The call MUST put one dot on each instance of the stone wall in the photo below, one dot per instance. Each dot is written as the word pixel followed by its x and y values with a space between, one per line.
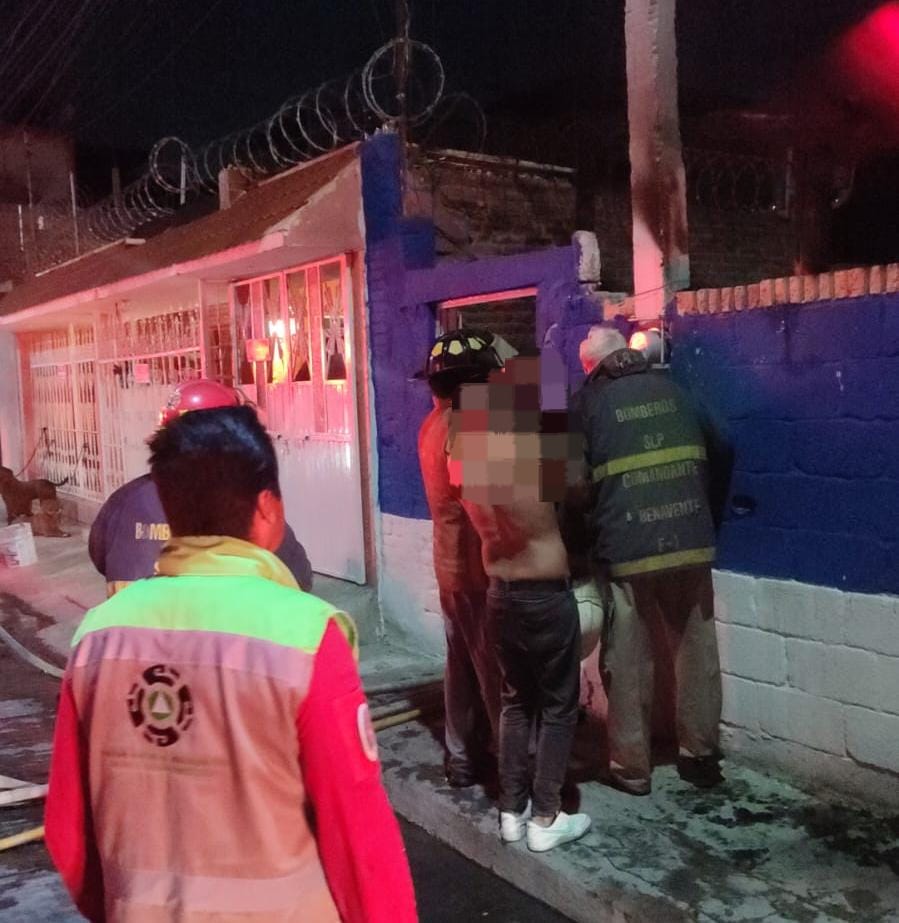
pixel 490 206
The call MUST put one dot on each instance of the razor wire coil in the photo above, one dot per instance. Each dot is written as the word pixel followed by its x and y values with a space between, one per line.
pixel 318 121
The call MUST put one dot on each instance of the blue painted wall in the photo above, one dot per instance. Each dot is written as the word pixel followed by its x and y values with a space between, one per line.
pixel 400 333
pixel 403 283
pixel 810 395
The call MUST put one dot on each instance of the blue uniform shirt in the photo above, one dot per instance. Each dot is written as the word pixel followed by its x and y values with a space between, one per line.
pixel 130 530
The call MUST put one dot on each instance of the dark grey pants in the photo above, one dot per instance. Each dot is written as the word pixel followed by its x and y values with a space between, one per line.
pixel 538 645
pixel 471 683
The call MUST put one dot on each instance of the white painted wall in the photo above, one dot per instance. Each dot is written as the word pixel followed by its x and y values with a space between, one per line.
pixel 407 589
pixel 11 449
pixel 810 674
pixel 811 681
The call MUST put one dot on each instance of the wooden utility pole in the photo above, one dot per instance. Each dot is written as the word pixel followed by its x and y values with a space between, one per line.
pixel 401 79
pixel 658 183
pixel 401 67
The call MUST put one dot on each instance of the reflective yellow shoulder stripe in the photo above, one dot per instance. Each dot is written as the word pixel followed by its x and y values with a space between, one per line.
pixel 663 562
pixel 649 460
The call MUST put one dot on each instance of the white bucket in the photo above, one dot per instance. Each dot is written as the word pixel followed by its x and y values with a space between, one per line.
pixel 592 615
pixel 17 545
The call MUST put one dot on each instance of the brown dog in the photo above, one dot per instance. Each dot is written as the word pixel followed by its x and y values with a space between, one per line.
pixel 19 498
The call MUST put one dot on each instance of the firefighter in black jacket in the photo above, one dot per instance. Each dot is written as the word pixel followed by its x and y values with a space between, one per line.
pixel 654 511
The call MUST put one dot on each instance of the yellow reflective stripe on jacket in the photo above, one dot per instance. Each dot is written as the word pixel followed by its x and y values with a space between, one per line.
pixel 662 562
pixel 649 460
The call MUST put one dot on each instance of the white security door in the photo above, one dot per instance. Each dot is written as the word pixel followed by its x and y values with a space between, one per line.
pixel 304 318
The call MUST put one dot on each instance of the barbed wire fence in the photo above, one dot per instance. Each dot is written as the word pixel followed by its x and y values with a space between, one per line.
pixel 305 126
pixel 313 123
pixel 354 107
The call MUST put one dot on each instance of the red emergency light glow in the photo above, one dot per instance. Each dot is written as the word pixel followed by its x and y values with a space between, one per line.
pixel 868 55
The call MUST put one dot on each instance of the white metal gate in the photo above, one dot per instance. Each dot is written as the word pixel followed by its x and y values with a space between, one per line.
pixel 93 393
pixel 140 360
pixel 304 318
pixel 61 411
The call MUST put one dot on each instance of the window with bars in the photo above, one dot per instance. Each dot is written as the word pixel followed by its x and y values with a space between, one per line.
pixel 301 317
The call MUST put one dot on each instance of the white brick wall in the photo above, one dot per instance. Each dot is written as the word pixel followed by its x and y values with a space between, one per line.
pixel 872 738
pixel 752 654
pixel 809 671
pixel 407 587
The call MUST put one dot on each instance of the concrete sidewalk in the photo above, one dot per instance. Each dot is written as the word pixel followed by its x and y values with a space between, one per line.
pixel 755 849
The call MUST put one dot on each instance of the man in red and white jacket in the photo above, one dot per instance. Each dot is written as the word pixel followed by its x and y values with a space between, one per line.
pixel 214 759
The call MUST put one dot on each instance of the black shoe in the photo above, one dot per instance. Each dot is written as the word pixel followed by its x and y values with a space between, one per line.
pixel 629 784
pixel 456 778
pixel 701 771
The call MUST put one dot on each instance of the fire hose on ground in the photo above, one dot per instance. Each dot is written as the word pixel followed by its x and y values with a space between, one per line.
pixel 16 791
pixel 29 792
pixel 591 611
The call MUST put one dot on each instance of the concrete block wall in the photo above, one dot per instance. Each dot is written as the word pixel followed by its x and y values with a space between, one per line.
pixel 728 246
pixel 489 206
pixel 807 604
pixel 486 206
pixel 811 681
pixel 408 588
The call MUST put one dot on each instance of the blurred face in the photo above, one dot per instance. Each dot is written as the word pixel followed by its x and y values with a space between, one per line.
pixel 503 448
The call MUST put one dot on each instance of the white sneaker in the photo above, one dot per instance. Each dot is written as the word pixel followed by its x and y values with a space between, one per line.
pixel 564 829
pixel 512 826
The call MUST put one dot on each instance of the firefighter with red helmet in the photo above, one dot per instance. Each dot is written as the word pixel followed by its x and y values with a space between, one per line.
pixel 131 529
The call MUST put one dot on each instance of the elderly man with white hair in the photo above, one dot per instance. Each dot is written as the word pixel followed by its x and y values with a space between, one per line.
pixel 653 530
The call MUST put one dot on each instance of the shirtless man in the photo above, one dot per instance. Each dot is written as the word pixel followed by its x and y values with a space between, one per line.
pixel 508 473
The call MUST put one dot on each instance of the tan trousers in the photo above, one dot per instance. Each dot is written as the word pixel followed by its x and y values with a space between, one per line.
pixel 681 603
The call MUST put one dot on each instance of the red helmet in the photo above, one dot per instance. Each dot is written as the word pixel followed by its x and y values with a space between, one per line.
pixel 200 394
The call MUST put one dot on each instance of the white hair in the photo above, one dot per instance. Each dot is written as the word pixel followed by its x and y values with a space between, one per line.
pixel 599 343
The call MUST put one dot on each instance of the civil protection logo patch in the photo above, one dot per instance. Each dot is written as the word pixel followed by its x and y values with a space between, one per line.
pixel 160 705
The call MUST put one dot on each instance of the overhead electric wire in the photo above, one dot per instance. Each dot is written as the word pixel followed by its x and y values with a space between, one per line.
pixel 75 49
pixel 153 72
pixel 65 35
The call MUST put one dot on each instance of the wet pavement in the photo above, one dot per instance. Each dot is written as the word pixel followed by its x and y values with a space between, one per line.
pixel 757 848
pixel 449 887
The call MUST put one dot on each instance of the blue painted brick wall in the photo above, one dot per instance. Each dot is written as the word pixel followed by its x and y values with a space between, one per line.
pixel 809 394
pixel 401 276
pixel 399 334
pixel 810 397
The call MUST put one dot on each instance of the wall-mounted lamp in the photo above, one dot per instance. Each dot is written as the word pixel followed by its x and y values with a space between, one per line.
pixel 653 343
pixel 258 350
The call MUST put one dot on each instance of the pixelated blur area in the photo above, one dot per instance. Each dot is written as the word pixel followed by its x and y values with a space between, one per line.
pixel 503 449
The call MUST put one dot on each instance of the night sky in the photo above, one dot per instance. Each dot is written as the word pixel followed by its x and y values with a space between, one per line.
pixel 126 72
